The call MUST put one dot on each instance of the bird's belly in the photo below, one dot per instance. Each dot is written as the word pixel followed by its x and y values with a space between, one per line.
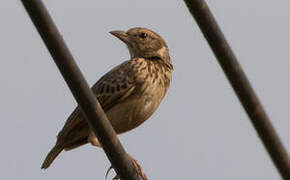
pixel 135 110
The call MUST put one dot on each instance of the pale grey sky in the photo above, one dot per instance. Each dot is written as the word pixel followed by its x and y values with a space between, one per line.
pixel 200 130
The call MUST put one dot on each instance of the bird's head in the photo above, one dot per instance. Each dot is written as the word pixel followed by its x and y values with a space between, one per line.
pixel 144 43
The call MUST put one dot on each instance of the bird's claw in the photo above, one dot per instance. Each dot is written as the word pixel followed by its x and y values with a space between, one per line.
pixel 138 169
pixel 110 168
pixel 137 166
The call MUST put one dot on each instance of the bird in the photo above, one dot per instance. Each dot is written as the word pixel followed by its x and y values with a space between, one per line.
pixel 129 93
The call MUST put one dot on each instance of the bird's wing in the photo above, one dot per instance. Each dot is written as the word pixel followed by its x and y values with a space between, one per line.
pixel 113 88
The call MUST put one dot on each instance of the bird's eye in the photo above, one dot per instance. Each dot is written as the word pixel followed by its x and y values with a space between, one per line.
pixel 143 35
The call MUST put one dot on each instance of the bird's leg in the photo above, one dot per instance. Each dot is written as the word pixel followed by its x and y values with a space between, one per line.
pixel 94 141
pixel 137 167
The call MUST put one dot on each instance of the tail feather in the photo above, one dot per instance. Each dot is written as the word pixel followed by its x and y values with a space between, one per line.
pixel 54 152
pixel 76 144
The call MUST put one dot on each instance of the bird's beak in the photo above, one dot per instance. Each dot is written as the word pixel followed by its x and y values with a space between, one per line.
pixel 122 35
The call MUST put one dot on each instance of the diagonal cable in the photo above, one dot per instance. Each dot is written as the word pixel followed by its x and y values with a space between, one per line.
pixel 96 117
pixel 242 87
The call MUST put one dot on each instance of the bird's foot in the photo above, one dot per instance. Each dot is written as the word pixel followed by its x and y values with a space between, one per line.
pixel 106 175
pixel 137 167
pixel 115 178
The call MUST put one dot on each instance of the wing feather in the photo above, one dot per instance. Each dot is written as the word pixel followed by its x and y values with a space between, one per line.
pixel 113 88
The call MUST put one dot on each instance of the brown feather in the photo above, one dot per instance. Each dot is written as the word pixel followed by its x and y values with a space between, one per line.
pixel 129 93
pixel 76 130
pixel 52 155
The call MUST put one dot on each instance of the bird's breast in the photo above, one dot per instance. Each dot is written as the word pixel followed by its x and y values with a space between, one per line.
pixel 139 107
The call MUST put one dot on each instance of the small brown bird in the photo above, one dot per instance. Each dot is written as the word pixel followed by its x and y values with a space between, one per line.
pixel 129 93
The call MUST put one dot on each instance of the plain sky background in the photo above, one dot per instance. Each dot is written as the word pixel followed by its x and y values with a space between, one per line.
pixel 200 130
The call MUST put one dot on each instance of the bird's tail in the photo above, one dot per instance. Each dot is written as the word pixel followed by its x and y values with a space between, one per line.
pixel 54 152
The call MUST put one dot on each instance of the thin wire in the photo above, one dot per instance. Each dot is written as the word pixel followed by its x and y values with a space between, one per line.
pixel 240 84
pixel 96 117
